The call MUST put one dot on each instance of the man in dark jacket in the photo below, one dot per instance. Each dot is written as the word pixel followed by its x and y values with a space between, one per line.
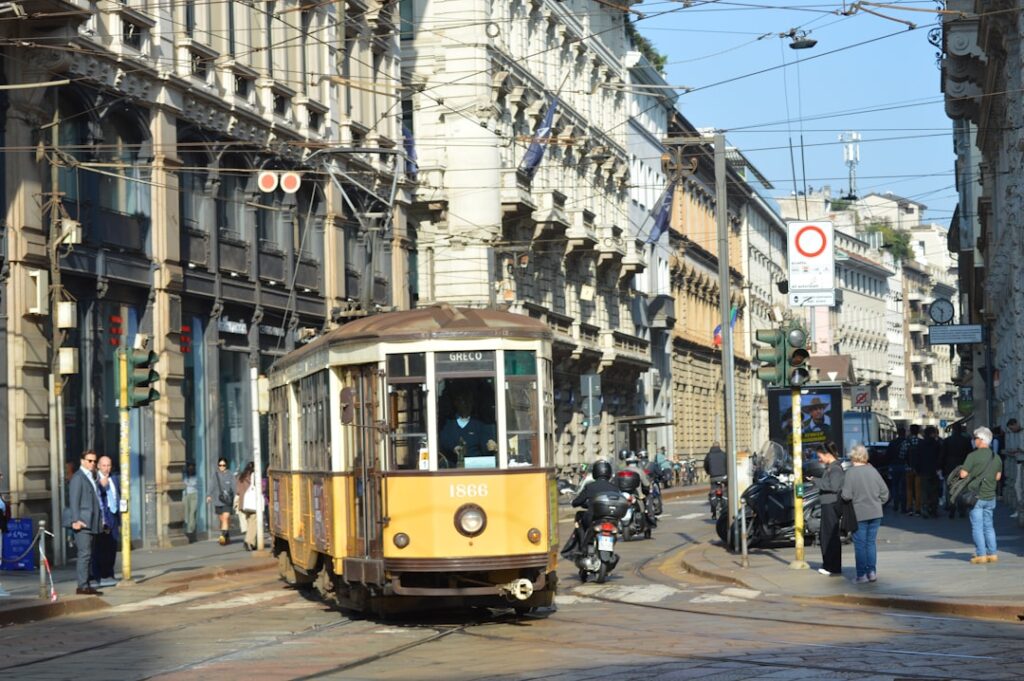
pixel 601 484
pixel 86 517
pixel 955 449
pixel 927 466
pixel 716 464
pixel 896 455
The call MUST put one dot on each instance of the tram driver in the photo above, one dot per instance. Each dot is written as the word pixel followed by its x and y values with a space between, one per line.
pixel 465 436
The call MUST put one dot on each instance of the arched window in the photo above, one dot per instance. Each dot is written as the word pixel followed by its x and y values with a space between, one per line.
pixel 124 170
pixel 231 200
pixel 192 191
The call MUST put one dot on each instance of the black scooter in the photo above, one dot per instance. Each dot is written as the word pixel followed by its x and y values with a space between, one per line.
pixel 768 504
pixel 597 556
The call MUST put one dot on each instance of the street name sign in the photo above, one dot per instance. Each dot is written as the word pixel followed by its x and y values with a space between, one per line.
pixel 955 334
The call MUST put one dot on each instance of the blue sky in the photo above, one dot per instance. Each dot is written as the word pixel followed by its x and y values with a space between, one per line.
pixel 906 145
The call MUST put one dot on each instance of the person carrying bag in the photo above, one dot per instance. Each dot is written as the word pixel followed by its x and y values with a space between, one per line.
pixel 981 470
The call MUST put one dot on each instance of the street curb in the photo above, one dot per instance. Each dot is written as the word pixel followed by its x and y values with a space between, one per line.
pixel 47 610
pixel 183 583
pixel 1003 612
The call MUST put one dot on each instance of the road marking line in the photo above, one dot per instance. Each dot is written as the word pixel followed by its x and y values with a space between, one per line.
pixel 716 598
pixel 157 601
pixel 238 601
pixel 650 593
pixel 885 651
pixel 740 593
pixel 691 516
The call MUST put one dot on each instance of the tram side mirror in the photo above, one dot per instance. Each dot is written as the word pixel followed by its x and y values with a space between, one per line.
pixel 348 407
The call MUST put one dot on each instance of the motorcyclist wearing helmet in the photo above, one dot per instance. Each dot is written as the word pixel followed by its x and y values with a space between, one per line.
pixel 633 464
pixel 601 484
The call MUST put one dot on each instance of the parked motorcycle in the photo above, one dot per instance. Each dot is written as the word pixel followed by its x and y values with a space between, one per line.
pixel 768 504
pixel 717 498
pixel 598 556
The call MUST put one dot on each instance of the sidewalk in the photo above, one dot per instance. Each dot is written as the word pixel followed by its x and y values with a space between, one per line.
pixel 154 572
pixel 922 565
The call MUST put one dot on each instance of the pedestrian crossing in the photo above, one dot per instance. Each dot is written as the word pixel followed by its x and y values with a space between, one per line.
pixel 654 593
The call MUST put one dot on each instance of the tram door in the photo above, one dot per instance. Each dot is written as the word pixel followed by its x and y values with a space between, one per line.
pixel 366 465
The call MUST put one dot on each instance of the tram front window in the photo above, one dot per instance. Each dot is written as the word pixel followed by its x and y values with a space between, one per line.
pixel 468 435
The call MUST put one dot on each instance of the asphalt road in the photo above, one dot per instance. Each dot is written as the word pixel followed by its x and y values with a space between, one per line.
pixel 649 621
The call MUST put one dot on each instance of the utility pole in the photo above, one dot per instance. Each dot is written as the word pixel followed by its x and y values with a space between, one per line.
pixel 56 386
pixel 728 373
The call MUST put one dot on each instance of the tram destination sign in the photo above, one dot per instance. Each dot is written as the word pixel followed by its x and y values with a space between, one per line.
pixel 464 361
pixel 955 334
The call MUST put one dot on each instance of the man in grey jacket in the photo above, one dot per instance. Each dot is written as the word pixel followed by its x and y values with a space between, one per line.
pixel 86 517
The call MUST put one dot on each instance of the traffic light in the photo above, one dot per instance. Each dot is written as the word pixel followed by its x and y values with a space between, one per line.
pixel 142 378
pixel 797 372
pixel 771 358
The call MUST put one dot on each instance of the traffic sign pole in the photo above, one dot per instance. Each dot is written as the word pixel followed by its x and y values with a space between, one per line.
pixel 798 482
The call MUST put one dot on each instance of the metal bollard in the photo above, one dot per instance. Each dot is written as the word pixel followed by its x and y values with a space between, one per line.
pixel 744 561
pixel 43 591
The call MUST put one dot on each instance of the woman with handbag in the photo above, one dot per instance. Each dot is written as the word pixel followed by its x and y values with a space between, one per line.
pixel 829 485
pixel 224 486
pixel 982 466
pixel 249 498
pixel 867 490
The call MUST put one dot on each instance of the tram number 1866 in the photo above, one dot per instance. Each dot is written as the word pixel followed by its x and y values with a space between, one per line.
pixel 463 491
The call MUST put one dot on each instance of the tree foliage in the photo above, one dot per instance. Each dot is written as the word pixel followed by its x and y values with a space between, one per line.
pixel 646 48
pixel 896 240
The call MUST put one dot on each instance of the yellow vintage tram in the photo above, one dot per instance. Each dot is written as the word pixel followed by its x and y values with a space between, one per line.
pixel 410 461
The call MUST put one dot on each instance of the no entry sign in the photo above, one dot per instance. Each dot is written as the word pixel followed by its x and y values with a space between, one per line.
pixel 811 256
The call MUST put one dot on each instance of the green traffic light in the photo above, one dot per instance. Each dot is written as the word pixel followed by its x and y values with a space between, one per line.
pixel 771 358
pixel 142 378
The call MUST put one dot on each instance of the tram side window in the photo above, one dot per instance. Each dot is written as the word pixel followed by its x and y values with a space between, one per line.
pixel 314 423
pixel 521 411
pixel 468 435
pixel 407 409
pixel 278 431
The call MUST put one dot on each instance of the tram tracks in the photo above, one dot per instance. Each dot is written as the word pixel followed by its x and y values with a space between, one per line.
pixel 641 571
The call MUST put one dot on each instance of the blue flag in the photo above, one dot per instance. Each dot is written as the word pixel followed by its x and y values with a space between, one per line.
pixel 534 155
pixel 411 166
pixel 664 215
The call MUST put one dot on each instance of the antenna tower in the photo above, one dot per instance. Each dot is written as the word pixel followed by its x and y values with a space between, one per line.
pixel 851 157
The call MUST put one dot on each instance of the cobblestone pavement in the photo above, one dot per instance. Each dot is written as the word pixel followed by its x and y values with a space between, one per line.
pixel 650 621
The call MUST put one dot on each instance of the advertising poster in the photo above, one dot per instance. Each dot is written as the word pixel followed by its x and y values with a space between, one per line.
pixel 821 417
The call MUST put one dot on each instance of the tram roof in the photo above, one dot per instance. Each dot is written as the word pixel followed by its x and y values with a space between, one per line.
pixel 434 322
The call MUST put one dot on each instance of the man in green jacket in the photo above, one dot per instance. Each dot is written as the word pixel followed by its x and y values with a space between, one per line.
pixel 983 468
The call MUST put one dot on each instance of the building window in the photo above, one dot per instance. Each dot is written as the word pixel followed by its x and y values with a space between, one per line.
pixel 190 18
pixel 243 86
pixel 315 120
pixel 199 66
pixel 231 204
pixel 282 103
pixel 132 34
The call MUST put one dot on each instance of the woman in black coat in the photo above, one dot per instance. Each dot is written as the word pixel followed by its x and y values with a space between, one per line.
pixel 829 486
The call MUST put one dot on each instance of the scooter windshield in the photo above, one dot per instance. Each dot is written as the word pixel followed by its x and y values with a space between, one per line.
pixel 773 458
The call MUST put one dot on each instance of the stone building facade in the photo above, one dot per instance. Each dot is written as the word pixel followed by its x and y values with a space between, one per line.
pixel 154 125
pixel 552 240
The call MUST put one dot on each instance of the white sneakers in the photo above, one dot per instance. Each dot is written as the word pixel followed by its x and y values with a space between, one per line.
pixel 107 583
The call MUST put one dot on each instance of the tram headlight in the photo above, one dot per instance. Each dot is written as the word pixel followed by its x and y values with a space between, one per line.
pixel 401 540
pixel 533 535
pixel 470 520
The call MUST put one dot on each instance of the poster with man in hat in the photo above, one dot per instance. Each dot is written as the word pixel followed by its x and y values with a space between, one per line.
pixel 820 417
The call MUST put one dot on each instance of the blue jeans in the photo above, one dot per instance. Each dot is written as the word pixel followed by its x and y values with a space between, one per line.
pixel 865 549
pixel 897 487
pixel 982 528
